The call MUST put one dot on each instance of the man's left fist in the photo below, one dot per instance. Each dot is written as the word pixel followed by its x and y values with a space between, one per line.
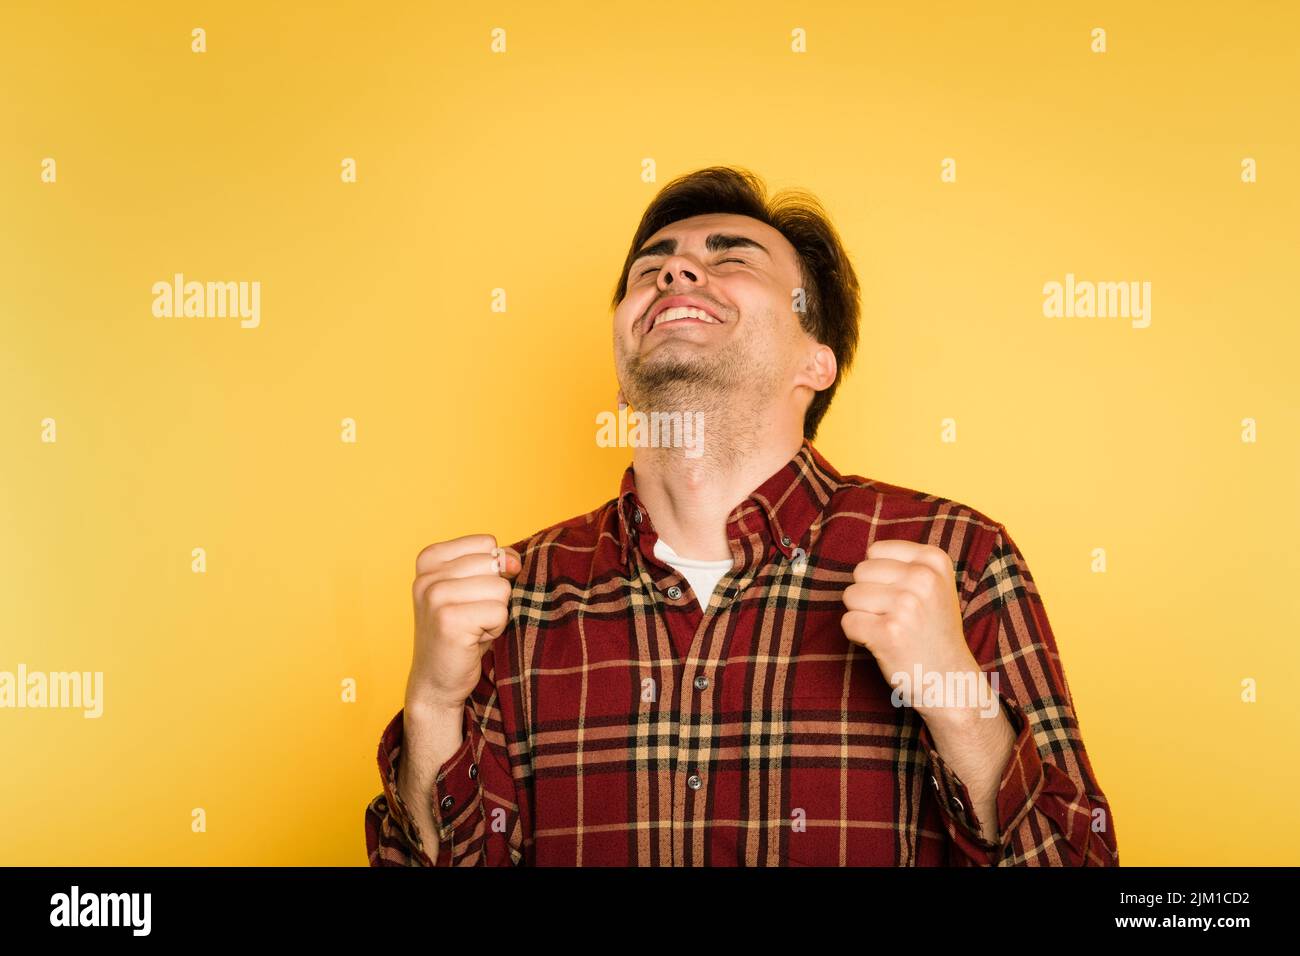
pixel 903 607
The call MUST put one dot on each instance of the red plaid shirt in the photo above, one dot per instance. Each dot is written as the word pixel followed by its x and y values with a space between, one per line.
pixel 616 723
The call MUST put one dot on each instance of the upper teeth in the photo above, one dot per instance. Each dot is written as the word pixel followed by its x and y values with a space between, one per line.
pixel 683 312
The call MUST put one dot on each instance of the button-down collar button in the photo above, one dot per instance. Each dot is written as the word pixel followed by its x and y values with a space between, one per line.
pixel 956 805
pixel 785 540
pixel 694 782
pixel 934 781
pixel 447 802
pixel 636 516
pixel 473 771
pixel 674 592
pixel 701 682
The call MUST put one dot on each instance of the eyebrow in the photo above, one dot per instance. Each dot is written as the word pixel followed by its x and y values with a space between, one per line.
pixel 717 242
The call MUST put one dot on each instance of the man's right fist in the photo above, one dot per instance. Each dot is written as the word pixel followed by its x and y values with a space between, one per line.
pixel 462 603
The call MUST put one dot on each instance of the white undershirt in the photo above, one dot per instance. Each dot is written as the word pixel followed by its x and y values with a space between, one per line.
pixel 702 575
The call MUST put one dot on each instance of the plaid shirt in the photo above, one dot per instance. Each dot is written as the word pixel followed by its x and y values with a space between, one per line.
pixel 616 723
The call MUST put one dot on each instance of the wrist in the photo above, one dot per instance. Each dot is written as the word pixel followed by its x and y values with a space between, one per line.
pixel 424 708
pixel 966 700
pixel 423 698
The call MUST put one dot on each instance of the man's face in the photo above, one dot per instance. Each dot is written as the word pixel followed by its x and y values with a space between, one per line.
pixel 743 273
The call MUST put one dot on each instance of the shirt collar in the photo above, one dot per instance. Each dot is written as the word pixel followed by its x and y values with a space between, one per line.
pixel 783 507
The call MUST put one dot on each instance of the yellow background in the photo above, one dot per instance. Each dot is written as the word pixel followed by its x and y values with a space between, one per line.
pixel 522 171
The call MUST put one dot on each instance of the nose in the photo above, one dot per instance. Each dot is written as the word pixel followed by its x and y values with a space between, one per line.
pixel 681 266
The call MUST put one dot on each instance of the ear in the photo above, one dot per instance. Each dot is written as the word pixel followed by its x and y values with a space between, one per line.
pixel 819 368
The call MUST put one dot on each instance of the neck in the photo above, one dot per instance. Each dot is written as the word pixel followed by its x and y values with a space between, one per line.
pixel 689 498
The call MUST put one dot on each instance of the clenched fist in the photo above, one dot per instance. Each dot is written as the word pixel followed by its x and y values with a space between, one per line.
pixel 462 603
pixel 903 607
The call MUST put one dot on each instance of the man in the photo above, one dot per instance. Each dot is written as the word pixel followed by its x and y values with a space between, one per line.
pixel 745 658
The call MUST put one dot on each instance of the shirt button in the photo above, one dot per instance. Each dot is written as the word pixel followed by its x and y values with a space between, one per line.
pixel 674 592
pixel 785 540
pixel 956 805
pixel 701 682
pixel 473 771
pixel 694 782
pixel 934 781
pixel 636 516
pixel 447 802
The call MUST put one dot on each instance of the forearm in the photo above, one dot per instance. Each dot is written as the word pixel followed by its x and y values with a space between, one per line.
pixel 431 736
pixel 977 746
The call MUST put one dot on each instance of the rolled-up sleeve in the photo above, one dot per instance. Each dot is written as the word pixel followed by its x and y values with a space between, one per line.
pixel 1051 810
pixel 473 797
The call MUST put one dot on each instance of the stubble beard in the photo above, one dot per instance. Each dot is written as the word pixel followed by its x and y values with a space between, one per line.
pixel 728 388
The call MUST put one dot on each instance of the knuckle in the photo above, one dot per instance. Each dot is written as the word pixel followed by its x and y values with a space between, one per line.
pixel 922 581
pixel 421 561
pixel 849 623
pixel 436 595
pixel 429 558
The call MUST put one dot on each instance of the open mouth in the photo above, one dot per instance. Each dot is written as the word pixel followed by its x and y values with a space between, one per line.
pixel 680 313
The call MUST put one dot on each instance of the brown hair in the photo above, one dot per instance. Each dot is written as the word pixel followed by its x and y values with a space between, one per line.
pixel 829 282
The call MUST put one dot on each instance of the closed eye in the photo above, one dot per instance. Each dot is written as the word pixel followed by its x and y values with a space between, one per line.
pixel 720 261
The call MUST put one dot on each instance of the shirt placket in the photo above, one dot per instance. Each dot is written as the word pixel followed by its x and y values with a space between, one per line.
pixel 700 662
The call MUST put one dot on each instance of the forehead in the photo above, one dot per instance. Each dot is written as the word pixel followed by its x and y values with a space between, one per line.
pixel 691 234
